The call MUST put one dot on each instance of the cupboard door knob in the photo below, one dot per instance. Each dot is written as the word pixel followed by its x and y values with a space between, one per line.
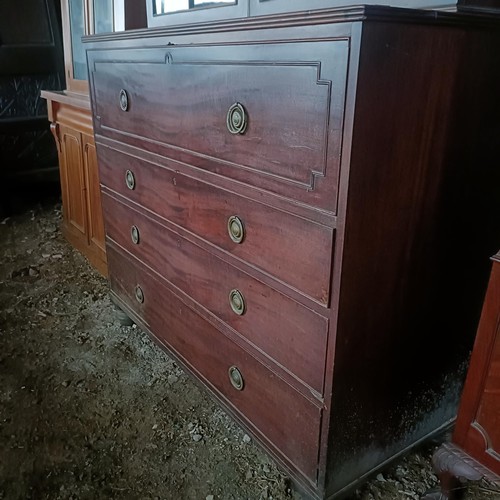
pixel 236 378
pixel 134 234
pixel 130 179
pixel 139 294
pixel 123 100
pixel 237 119
pixel 237 302
pixel 235 229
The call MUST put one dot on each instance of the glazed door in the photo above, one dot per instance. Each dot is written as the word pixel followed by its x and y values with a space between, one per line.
pixel 169 12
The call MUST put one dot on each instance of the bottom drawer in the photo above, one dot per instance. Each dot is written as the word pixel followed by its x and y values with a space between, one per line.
pixel 280 416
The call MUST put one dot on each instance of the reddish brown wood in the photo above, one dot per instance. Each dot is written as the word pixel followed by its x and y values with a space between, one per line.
pixel 275 153
pixel 204 209
pixel 453 468
pixel 95 222
pixel 478 424
pixel 409 184
pixel 209 355
pixel 135 14
pixel 82 224
pixel 292 335
pixel 475 450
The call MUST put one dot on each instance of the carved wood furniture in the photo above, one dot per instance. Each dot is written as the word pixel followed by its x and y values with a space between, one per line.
pixel 31 58
pixel 475 449
pixel 288 200
pixel 71 122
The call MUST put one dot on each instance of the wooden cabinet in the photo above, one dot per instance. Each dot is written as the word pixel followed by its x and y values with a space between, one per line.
pixel 69 112
pixel 31 58
pixel 288 200
pixel 82 211
pixel 475 448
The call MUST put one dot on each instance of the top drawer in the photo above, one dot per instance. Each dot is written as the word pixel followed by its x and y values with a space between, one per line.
pixel 269 115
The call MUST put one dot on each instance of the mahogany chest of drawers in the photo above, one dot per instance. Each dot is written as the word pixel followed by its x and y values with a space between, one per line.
pixel 286 201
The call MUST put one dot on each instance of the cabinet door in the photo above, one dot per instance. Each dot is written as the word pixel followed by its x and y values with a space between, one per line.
pixel 73 182
pixel 96 235
pixel 478 423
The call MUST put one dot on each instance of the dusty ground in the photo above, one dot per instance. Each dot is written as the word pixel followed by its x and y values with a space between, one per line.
pixel 90 409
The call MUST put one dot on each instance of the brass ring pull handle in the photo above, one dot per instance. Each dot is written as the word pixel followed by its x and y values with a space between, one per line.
pixel 123 100
pixel 237 119
pixel 139 294
pixel 235 229
pixel 129 179
pixel 237 302
pixel 134 234
pixel 236 378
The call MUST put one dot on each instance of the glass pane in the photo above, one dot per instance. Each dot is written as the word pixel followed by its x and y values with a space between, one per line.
pixel 168 6
pixel 103 16
pixel 76 21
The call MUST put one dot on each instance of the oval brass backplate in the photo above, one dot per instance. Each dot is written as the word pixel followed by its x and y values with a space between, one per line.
pixel 236 378
pixel 139 294
pixel 237 302
pixel 235 229
pixel 134 234
pixel 237 119
pixel 130 179
pixel 123 100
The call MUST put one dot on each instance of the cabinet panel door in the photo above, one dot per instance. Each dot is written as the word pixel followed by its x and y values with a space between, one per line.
pixel 72 181
pixel 478 423
pixel 96 233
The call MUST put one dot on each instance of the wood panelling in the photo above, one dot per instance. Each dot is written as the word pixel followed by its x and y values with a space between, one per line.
pixel 93 194
pixel 478 424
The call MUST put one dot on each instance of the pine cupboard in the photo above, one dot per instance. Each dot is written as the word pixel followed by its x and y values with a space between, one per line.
pixel 71 122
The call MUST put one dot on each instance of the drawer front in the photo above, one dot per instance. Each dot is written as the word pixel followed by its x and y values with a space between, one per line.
pixel 289 333
pixel 286 420
pixel 268 115
pixel 293 250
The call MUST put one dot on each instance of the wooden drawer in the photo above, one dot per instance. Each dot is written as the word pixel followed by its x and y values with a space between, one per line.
pixel 177 101
pixel 275 411
pixel 292 335
pixel 294 250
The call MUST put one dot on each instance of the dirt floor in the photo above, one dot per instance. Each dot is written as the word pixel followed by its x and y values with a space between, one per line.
pixel 90 409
